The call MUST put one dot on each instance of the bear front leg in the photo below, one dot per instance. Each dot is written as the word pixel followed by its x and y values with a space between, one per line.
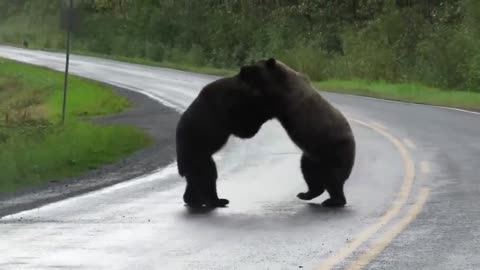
pixel 201 185
pixel 210 187
pixel 192 196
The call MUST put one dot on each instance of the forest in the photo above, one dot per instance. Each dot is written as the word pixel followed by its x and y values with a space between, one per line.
pixel 433 42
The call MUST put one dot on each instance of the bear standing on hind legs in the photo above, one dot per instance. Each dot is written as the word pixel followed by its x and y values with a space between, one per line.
pixel 224 107
pixel 313 124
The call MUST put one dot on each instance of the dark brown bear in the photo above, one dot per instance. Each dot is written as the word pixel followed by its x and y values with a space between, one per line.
pixel 224 107
pixel 313 124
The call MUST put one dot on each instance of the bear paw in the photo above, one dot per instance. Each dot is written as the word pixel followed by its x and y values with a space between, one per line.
pixel 307 196
pixel 194 204
pixel 334 203
pixel 212 204
pixel 218 203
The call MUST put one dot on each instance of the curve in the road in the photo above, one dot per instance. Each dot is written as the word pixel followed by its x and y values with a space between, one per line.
pixel 390 235
pixel 146 79
pixel 392 212
pixel 419 104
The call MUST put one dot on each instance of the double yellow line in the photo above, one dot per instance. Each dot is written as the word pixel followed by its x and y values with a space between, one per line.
pixel 392 212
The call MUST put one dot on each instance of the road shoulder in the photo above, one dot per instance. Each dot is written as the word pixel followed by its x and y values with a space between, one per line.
pixel 154 118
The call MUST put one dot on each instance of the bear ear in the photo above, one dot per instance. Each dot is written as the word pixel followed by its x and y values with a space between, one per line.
pixel 245 72
pixel 271 62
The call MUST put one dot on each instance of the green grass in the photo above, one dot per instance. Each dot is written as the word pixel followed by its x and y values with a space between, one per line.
pixel 407 92
pixel 85 98
pixel 35 148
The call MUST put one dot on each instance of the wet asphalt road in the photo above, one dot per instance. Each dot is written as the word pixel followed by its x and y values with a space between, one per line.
pixel 407 155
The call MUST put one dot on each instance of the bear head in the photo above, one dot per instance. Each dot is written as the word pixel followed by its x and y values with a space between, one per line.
pixel 273 77
pixel 247 110
pixel 277 81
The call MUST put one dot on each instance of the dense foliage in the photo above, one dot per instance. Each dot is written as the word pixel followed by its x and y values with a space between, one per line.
pixel 436 42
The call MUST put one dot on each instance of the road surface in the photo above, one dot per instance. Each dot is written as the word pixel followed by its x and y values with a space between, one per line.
pixel 412 198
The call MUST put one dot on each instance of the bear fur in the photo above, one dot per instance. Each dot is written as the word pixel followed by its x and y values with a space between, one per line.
pixel 225 107
pixel 314 125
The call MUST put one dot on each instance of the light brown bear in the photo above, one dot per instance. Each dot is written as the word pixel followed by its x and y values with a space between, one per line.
pixel 314 125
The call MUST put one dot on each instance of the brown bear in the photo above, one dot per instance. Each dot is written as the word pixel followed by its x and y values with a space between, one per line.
pixel 225 107
pixel 314 125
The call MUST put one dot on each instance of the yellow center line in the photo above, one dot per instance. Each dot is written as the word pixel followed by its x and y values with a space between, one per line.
pixel 377 124
pixel 409 143
pixel 425 167
pixel 394 210
pixel 388 237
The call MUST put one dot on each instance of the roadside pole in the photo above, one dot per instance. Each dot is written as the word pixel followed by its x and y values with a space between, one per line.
pixel 65 84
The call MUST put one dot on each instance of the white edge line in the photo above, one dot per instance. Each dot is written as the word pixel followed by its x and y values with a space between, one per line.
pixel 401 102
pixel 159 174
pixel 72 55
pixel 155 98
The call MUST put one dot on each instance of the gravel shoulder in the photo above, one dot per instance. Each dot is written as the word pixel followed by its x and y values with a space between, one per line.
pixel 149 115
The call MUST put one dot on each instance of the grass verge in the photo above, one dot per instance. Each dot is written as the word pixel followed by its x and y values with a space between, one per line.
pixel 35 148
pixel 407 92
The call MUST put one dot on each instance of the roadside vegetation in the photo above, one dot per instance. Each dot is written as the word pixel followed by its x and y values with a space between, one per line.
pixel 35 147
pixel 406 92
pixel 397 49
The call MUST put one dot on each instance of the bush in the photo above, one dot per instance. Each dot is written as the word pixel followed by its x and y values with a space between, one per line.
pixel 433 42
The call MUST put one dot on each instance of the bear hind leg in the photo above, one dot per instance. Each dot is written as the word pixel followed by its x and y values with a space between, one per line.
pixel 334 184
pixel 312 175
pixel 340 168
pixel 337 196
pixel 210 190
